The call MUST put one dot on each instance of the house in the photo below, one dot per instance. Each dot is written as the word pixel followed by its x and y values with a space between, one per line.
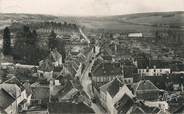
pixel 75 64
pixel 57 71
pixel 141 108
pixel 75 50
pixel 69 108
pixel 136 110
pixel 135 35
pixel 40 93
pixel 7 103
pixel 179 110
pixel 124 104
pixel 130 72
pixel 106 71
pixel 14 95
pixel 51 66
pixel 53 60
pixel 153 68
pixel 146 90
pixel 2 76
pixel 58 89
pixel 177 68
pixel 56 58
pixel 22 95
pixel 46 65
pixel 6 65
pixel 168 82
pixel 69 67
pixel 36 109
pixel 70 95
pixel 116 97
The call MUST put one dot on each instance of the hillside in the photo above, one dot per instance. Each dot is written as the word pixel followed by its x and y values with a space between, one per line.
pixel 131 22
pixel 7 18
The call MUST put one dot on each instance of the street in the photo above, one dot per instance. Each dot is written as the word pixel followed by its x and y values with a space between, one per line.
pixel 87 87
pixel 86 83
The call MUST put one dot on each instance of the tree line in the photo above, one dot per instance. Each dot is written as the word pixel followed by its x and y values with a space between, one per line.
pixel 55 25
pixel 169 37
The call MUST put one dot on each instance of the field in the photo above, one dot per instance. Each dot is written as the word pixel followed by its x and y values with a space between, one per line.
pixel 133 22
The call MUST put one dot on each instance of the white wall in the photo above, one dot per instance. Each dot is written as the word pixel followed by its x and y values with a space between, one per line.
pixel 154 72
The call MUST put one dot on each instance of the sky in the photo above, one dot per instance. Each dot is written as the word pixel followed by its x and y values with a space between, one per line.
pixel 89 7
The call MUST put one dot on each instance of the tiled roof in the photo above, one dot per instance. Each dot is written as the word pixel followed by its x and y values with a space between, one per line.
pixel 5 99
pixel 150 110
pixel 69 108
pixel 145 85
pixel 177 67
pixel 70 68
pixel 46 65
pixel 55 55
pixel 2 111
pixel 137 110
pixel 76 62
pixel 12 89
pixel 65 89
pixel 107 69
pixel 106 57
pixel 179 110
pixel 129 70
pixel 143 64
pixel 40 92
pixel 70 94
pixel 112 87
pixel 124 104
pixel 14 80
pixel 81 57
pixel 86 51
pixel 58 69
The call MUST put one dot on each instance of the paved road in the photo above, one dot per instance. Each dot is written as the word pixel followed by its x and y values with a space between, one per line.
pixel 86 83
pixel 85 80
pixel 87 87
pixel 85 37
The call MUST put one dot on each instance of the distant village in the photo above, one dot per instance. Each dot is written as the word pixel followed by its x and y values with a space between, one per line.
pixel 60 68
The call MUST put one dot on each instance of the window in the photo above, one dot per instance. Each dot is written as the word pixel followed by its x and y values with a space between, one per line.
pixel 154 70
pixel 129 81
pixel 147 70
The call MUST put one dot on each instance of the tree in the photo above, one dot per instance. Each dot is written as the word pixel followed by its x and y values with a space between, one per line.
pixel 6 41
pixel 60 46
pixel 33 38
pixel 26 49
pixel 52 40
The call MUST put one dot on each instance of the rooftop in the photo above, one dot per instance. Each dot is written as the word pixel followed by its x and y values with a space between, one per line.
pixel 5 99
pixel 143 64
pixel 124 104
pixel 65 89
pixel 14 80
pixel 107 69
pixel 69 107
pixel 55 55
pixel 11 89
pixel 145 85
pixel 112 87
pixel 40 92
